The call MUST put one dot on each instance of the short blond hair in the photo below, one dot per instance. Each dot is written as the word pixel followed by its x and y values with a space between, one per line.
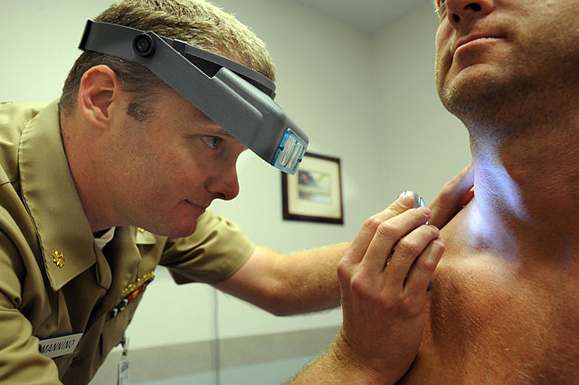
pixel 197 22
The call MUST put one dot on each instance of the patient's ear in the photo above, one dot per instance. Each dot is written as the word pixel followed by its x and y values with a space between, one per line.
pixel 99 95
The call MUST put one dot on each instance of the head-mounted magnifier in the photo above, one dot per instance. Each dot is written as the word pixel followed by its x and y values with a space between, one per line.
pixel 234 96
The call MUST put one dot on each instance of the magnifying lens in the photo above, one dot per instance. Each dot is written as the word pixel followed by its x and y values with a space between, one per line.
pixel 234 96
pixel 418 201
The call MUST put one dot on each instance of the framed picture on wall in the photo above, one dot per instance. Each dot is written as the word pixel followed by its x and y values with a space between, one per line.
pixel 314 192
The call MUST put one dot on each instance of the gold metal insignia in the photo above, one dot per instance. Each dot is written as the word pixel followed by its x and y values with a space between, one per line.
pixel 139 282
pixel 58 258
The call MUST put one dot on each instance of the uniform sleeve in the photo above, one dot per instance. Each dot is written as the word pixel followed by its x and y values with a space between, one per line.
pixel 216 250
pixel 20 360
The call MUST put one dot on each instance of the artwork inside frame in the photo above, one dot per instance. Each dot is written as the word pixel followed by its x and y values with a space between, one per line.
pixel 314 193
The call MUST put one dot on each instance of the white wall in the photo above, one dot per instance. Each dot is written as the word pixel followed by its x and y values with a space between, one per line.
pixel 424 146
pixel 368 100
pixel 39 45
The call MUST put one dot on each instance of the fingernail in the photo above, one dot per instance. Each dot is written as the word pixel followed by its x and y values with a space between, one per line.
pixel 406 201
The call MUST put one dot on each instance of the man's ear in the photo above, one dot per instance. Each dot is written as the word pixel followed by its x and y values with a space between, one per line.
pixel 99 95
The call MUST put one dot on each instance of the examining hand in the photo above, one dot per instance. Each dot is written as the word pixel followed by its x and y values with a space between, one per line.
pixel 383 304
pixel 384 276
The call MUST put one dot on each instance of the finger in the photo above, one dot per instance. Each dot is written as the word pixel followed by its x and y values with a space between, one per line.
pixel 408 251
pixel 388 237
pixel 452 197
pixel 420 275
pixel 362 241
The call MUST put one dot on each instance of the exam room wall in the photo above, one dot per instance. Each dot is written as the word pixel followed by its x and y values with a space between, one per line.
pixel 424 145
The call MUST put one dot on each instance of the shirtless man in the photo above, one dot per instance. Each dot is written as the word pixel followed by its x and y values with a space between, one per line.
pixel 504 308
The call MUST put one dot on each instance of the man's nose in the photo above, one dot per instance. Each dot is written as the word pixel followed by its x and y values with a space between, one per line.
pixel 461 12
pixel 225 184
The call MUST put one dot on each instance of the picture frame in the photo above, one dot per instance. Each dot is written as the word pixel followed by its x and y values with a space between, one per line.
pixel 314 192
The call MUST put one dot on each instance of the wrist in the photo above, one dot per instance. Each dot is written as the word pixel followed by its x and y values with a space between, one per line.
pixel 360 370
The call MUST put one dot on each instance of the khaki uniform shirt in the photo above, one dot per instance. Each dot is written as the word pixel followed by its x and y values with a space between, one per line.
pixel 54 280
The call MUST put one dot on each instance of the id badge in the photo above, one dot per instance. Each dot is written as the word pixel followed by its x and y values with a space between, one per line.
pixel 123 372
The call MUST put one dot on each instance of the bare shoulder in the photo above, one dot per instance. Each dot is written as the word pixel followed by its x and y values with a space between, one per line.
pixel 491 321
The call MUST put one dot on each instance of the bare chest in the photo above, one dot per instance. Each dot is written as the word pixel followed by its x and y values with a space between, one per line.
pixel 490 326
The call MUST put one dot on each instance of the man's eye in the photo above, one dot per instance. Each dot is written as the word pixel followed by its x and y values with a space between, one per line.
pixel 212 141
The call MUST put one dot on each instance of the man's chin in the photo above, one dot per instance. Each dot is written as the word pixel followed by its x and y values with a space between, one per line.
pixel 185 231
pixel 178 231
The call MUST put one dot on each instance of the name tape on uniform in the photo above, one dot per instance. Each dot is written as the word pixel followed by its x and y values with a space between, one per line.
pixel 59 346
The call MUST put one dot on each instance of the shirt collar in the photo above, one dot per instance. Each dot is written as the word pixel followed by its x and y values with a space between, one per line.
pixel 102 241
pixel 50 195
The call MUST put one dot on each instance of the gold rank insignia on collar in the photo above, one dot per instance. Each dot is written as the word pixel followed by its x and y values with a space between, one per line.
pixel 58 258
pixel 132 291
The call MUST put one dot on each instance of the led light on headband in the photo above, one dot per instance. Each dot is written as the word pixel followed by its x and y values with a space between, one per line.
pixel 234 96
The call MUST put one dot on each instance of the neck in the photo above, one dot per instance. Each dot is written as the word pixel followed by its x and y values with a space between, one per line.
pixel 79 147
pixel 526 187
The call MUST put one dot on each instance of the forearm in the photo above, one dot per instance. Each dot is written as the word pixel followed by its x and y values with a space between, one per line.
pixel 312 281
pixel 295 283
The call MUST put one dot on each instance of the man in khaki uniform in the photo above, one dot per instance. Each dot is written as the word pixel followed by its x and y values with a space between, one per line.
pixel 87 180
pixel 57 276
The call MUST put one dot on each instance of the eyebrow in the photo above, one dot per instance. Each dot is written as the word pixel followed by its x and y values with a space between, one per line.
pixel 212 128
pixel 218 131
